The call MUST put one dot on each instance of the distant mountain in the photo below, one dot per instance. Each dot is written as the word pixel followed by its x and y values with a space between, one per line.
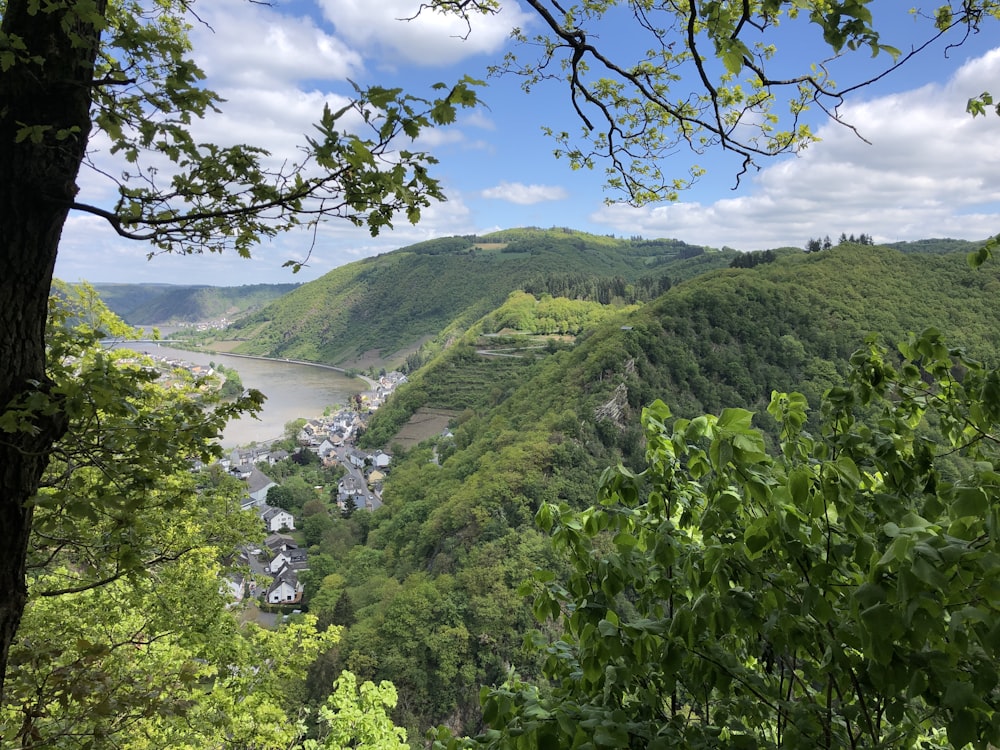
pixel 145 304
pixel 380 310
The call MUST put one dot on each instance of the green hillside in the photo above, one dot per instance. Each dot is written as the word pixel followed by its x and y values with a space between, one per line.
pixel 144 304
pixel 379 310
pixel 428 589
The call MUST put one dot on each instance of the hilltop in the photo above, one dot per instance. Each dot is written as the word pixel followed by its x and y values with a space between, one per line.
pixel 157 304
pixel 378 311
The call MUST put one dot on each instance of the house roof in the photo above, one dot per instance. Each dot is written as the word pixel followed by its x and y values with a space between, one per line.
pixel 267 512
pixel 350 484
pixel 276 542
pixel 258 480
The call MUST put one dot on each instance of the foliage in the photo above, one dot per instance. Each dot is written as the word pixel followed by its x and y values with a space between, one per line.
pixel 356 716
pixel 232 386
pixel 215 197
pixel 749 260
pixel 524 313
pixel 126 453
pixel 936 245
pixel 615 290
pixel 122 74
pixel 728 338
pixel 126 638
pixel 840 590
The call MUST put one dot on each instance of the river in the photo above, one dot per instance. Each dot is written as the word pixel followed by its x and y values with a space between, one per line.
pixel 292 390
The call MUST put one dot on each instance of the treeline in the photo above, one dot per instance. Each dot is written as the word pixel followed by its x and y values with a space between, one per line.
pixel 524 313
pixel 750 260
pixel 815 245
pixel 665 248
pixel 591 288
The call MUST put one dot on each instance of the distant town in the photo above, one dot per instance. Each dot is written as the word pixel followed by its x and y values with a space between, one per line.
pixel 270 572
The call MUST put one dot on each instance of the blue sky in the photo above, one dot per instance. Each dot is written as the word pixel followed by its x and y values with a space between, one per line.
pixel 930 171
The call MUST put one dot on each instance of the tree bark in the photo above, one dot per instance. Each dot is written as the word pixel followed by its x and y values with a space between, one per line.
pixel 44 124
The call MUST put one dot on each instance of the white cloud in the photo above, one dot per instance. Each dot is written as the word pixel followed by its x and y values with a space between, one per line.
pixel 253 45
pixel 930 171
pixel 431 38
pixel 479 119
pixel 525 195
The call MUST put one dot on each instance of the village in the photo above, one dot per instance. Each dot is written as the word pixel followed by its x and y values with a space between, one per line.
pixel 269 572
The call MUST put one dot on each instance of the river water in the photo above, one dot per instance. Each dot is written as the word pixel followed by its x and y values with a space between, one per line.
pixel 292 390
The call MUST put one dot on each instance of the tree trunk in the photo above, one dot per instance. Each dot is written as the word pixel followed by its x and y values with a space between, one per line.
pixel 44 123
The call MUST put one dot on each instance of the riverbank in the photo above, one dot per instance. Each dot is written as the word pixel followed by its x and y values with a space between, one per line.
pixel 293 389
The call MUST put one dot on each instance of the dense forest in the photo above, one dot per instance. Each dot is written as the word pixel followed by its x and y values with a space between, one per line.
pixel 687 497
pixel 427 587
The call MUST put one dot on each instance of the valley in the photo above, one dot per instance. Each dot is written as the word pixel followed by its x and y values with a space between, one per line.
pixel 522 388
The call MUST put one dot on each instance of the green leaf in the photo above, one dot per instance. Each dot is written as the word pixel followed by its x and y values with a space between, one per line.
pixel 970 501
pixel 962 729
pixel 799 482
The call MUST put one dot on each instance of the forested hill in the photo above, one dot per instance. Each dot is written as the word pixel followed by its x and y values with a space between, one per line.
pixel 378 310
pixel 428 590
pixel 144 304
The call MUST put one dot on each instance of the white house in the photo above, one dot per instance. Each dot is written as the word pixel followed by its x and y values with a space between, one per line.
pixel 295 559
pixel 235 585
pixel 381 460
pixel 276 519
pixel 285 589
pixel 356 457
pixel 324 448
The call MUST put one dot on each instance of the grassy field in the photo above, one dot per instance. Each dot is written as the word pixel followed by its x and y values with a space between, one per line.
pixel 424 424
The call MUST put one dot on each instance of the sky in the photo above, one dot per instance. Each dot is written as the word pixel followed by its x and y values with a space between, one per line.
pixel 924 167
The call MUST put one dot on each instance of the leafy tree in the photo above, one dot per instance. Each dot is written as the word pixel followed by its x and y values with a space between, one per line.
pixel 72 70
pixel 357 716
pixel 126 634
pixel 292 430
pixel 315 526
pixel 232 387
pixel 705 75
pixel 349 507
pixel 299 490
pixel 837 591
pixel 280 496
pixel 127 639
